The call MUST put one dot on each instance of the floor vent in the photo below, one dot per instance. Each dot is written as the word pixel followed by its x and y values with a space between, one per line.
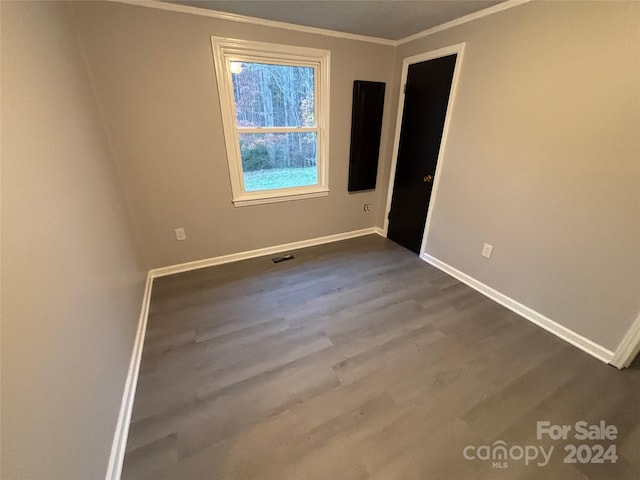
pixel 284 258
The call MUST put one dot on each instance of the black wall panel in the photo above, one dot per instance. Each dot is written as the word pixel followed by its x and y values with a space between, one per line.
pixel 366 126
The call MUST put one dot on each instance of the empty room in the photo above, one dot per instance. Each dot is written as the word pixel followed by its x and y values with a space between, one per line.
pixel 304 240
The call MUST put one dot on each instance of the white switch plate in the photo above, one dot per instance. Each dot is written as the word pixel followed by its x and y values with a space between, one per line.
pixel 180 235
pixel 486 250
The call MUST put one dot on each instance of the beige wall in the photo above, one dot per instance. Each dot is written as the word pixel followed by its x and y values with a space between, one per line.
pixel 155 77
pixel 543 161
pixel 71 278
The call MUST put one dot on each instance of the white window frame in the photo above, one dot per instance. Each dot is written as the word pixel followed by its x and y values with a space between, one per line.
pixel 227 50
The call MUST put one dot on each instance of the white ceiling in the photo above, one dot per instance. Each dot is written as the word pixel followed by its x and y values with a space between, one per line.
pixel 390 19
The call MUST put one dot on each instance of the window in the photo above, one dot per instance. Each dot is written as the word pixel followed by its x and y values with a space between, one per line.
pixel 275 114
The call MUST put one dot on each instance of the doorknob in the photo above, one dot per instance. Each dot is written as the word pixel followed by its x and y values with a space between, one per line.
pixel 427 179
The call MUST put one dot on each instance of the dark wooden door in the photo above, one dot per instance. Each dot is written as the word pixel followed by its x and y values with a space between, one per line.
pixel 425 107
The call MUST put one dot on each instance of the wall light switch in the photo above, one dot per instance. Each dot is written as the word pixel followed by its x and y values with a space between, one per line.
pixel 486 250
pixel 180 235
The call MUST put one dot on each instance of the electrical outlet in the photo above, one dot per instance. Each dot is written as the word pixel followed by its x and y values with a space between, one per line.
pixel 487 250
pixel 180 234
pixel 367 207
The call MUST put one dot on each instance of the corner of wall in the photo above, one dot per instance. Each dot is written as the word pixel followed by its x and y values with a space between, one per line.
pixel 629 346
pixel 133 224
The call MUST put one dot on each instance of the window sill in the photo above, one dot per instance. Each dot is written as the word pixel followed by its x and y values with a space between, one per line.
pixel 263 198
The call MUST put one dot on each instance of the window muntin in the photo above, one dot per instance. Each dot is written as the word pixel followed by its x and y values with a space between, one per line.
pixel 275 108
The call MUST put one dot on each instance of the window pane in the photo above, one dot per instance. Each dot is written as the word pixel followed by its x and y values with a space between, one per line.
pixel 273 95
pixel 278 160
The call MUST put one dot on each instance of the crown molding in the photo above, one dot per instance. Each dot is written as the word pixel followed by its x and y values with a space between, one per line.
pixel 203 12
pixel 462 20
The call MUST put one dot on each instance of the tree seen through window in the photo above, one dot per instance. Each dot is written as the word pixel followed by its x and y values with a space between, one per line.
pixel 271 102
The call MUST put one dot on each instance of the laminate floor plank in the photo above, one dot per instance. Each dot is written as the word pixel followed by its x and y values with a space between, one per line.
pixel 356 360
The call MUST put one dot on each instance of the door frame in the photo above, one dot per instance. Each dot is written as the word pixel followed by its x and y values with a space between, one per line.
pixel 423 57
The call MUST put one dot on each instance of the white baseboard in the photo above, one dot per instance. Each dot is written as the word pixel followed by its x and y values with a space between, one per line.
pixel 119 445
pixel 566 334
pixel 629 346
pixel 234 257
pixel 623 356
